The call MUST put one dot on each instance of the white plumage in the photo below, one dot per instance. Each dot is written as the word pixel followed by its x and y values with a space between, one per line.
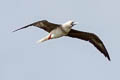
pixel 63 30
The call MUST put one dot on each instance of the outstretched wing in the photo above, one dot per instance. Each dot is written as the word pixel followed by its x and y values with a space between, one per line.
pixel 44 24
pixel 92 38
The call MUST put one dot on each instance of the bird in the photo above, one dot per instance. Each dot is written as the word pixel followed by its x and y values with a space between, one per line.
pixel 65 29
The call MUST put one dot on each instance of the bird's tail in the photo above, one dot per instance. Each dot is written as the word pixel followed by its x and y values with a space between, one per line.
pixel 42 40
pixel 45 38
pixel 23 27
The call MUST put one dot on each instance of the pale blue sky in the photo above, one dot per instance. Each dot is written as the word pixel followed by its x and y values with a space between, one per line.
pixel 65 58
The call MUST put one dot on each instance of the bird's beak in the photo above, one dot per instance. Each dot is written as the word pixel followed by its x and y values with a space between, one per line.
pixel 75 23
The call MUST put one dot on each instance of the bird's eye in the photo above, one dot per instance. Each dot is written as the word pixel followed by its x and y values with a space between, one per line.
pixel 72 23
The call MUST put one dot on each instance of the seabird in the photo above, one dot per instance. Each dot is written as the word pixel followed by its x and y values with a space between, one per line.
pixel 59 30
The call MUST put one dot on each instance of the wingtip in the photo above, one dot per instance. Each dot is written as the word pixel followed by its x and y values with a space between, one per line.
pixel 22 27
pixel 106 54
pixel 108 58
pixel 14 31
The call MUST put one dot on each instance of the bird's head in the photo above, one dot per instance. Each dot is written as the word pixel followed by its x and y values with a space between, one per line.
pixel 70 23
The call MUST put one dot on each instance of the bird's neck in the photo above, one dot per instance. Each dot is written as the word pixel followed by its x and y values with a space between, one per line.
pixel 66 27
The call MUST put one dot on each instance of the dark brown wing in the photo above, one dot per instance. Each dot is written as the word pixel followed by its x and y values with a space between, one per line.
pixel 44 24
pixel 92 38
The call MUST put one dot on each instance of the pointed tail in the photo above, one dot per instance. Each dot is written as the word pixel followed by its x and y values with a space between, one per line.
pixel 48 37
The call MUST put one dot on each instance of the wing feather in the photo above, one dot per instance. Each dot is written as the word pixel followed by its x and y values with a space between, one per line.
pixel 44 24
pixel 92 38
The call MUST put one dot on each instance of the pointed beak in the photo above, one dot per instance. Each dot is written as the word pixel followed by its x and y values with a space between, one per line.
pixel 75 23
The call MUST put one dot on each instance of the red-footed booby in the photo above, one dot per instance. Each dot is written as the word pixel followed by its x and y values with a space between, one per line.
pixel 59 30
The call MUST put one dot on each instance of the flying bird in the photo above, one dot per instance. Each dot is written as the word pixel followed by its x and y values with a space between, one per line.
pixel 59 30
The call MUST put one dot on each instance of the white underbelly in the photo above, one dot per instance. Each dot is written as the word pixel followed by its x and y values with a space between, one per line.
pixel 57 33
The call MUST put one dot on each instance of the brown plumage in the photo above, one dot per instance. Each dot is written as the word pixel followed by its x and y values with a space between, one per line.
pixel 44 24
pixel 92 38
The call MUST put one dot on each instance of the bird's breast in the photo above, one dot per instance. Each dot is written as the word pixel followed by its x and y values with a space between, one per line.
pixel 58 32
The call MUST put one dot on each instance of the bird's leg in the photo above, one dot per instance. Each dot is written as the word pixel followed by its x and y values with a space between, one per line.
pixel 45 38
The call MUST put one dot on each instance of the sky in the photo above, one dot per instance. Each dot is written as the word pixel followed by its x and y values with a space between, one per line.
pixel 64 58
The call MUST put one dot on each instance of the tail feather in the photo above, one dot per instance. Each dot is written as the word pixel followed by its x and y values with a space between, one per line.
pixel 44 39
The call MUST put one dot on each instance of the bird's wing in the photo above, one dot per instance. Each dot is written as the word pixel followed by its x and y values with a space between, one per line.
pixel 44 24
pixel 92 38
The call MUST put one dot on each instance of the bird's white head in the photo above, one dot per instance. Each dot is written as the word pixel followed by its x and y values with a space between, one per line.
pixel 70 23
